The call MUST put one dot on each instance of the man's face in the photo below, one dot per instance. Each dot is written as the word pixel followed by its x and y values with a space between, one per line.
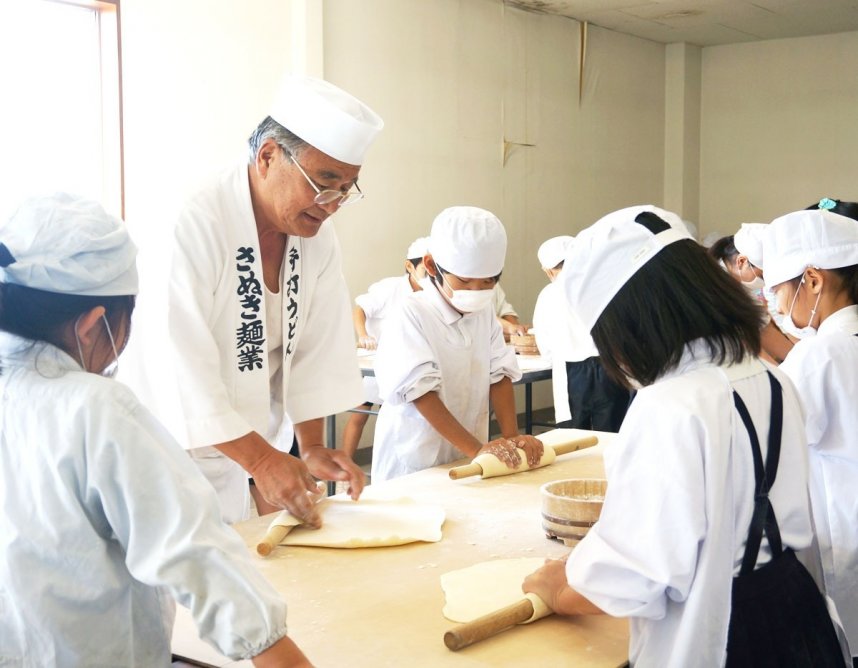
pixel 287 196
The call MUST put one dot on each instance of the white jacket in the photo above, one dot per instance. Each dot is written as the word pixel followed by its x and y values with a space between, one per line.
pixel 105 520
pixel 198 351
pixel 675 519
pixel 561 337
pixel 824 369
pixel 428 346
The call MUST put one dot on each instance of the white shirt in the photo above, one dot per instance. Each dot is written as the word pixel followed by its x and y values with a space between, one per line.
pixel 501 305
pixel 676 515
pixel 104 519
pixel 381 299
pixel 197 355
pixel 428 346
pixel 561 337
pixel 824 369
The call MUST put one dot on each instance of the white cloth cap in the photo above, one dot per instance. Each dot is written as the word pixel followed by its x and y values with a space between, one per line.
pixel 553 251
pixel 608 253
pixel 326 117
pixel 418 248
pixel 809 238
pixel 468 241
pixel 749 242
pixel 69 245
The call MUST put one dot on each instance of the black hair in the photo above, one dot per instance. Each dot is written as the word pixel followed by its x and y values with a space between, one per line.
pixel 849 276
pixel 417 261
pixel 724 250
pixel 679 296
pixel 848 209
pixel 39 315
pixel 441 270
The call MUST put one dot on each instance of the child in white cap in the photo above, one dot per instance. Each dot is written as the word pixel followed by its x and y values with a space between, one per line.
pixel 812 266
pixel 741 255
pixel 381 299
pixel 585 397
pixel 443 357
pixel 706 500
pixel 105 519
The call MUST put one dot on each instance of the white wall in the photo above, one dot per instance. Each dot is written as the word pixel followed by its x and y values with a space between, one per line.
pixel 778 129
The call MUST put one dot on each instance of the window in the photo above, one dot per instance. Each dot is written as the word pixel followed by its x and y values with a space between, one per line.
pixel 60 101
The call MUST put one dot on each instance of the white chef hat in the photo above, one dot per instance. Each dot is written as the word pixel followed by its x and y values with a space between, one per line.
pixel 468 241
pixel 418 248
pixel 69 245
pixel 608 253
pixel 553 251
pixel 809 238
pixel 326 117
pixel 749 242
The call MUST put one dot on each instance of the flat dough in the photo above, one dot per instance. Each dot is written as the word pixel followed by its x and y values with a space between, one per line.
pixel 489 586
pixel 366 523
pixel 492 466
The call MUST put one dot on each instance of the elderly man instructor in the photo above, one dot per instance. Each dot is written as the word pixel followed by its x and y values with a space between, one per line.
pixel 257 340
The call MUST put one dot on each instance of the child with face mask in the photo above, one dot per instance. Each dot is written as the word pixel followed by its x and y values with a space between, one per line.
pixel 812 267
pixel 380 300
pixel 442 357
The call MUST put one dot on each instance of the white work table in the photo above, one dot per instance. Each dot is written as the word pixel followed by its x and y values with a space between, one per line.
pixel 382 606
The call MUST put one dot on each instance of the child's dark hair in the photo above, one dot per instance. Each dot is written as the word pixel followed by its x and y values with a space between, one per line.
pixel 38 315
pixel 725 250
pixel 416 261
pixel 679 296
pixel 848 209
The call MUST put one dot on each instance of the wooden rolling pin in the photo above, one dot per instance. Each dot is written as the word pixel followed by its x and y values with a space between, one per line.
pixel 474 468
pixel 272 539
pixel 488 625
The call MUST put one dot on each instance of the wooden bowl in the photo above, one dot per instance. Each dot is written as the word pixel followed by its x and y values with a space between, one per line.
pixel 571 507
pixel 525 344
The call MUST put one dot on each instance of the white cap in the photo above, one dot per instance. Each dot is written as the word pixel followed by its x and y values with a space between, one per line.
pixel 418 248
pixel 468 242
pixel 809 238
pixel 65 244
pixel 749 242
pixel 553 252
pixel 326 117
pixel 609 252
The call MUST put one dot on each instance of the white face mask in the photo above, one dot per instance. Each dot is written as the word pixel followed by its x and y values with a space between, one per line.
pixel 469 301
pixel 790 327
pixel 111 369
pixel 755 284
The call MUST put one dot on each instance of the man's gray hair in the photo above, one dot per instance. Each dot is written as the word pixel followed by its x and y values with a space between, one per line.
pixel 271 129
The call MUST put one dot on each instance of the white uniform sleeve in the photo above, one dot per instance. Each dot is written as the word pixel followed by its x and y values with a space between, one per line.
pixel 502 362
pixel 198 266
pixel 644 548
pixel 325 378
pixel 502 306
pixel 377 298
pixel 165 517
pixel 405 365
pixel 542 324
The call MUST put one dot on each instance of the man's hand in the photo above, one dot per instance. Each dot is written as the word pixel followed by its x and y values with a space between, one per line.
pixel 285 481
pixel 551 585
pixel 330 464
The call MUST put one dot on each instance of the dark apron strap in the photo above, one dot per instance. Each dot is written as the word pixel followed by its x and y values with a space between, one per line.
pixel 763 519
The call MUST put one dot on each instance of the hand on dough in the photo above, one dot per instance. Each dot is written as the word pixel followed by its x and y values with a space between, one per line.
pixel 551 585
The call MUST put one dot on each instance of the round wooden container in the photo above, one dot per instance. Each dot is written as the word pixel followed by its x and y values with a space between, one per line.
pixel 571 507
pixel 525 344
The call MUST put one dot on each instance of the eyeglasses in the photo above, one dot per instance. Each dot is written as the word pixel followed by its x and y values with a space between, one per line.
pixel 328 196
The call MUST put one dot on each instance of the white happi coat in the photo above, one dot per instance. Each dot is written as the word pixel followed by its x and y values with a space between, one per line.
pixel 824 369
pixel 675 519
pixel 379 301
pixel 105 521
pixel 561 337
pixel 198 355
pixel 428 346
pixel 501 305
